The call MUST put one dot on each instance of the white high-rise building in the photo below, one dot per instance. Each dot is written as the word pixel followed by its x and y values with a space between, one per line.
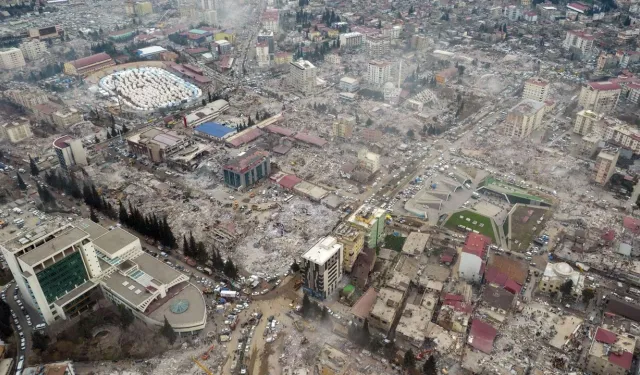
pixel 537 89
pixel 11 58
pixel 303 76
pixel 586 122
pixel 379 73
pixel 524 118
pixel 322 267
pixel 601 97
pixel 70 152
pixel 579 40
pixel 262 54
pixel 353 39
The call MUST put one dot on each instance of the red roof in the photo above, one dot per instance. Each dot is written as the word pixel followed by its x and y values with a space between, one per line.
pixel 310 139
pixel 605 337
pixel 481 336
pixel 91 60
pixel 604 86
pixel 453 297
pixel 632 224
pixel 446 258
pixel 623 359
pixel 246 137
pixel 279 130
pixel 578 6
pixel 476 244
pixel 512 287
pixel 289 181
pixel 609 235
pixel 493 276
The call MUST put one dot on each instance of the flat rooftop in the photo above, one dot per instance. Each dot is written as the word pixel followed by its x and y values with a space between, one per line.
pixel 324 249
pixel 93 229
pixel 527 107
pixel 114 240
pixel 63 240
pixel 387 303
pixel 184 294
pixel 415 243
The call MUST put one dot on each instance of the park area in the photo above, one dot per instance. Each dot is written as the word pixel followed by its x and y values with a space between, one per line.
pixel 474 221
pixel 525 224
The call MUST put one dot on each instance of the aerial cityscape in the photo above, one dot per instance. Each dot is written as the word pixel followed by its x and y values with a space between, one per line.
pixel 309 187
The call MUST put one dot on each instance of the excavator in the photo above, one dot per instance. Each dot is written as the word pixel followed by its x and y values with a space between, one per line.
pixel 203 367
pixel 205 356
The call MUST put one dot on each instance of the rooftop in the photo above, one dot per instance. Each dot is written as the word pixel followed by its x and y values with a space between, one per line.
pixel 324 249
pixel 387 303
pixel 214 129
pixel 114 240
pixel 366 216
pixel 476 244
pixel 604 86
pixel 527 107
pixel 303 64
pixel 415 243
pixel 160 136
pixel 364 304
pixel 538 81
pixel 247 160
pixel 63 240
pixel 618 349
pixel 90 60
pixel 481 336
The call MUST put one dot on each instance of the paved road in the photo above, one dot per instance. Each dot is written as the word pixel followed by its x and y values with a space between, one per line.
pixel 26 329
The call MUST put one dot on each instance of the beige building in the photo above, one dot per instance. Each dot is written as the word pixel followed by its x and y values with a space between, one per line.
pixel 70 152
pixel 16 131
pixel 524 118
pixel 26 98
pixel 342 129
pixel 610 353
pixel 605 165
pixel 66 117
pixel 157 143
pixel 379 73
pixel 11 58
pixel 33 49
pixel 579 40
pixel 377 46
pixel 368 161
pixel 303 76
pixel 624 136
pixel 536 89
pixel 556 274
pixel 352 240
pixel 262 54
pixel 601 97
pixel 587 122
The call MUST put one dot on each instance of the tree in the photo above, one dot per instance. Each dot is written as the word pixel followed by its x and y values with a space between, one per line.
pixel 185 246
pixel 409 360
pixel 461 69
pixel 93 216
pixel 40 341
pixel 230 269
pixel 33 166
pixel 566 288
pixel 21 183
pixel 201 252
pixel 96 140
pixel 429 367
pixel 411 10
pixel 295 267
pixel 204 102
pixel 306 305
pixel 126 316
pixel 369 122
pixel 324 314
pixel 123 216
pixel 192 245
pixel 411 134
pixel 588 294
pixel 168 332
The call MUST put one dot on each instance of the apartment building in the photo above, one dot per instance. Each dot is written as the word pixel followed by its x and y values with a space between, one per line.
pixel 610 353
pixel 349 84
pixel 58 270
pixel 209 16
pixel 601 97
pixel 303 76
pixel 368 161
pixel 351 40
pixel 270 19
pixel 512 12
pixel 342 129
pixel 352 240
pixel 262 54
pixel 605 165
pixel 26 98
pixel 33 49
pixel 624 136
pixel 66 117
pixel 70 152
pixel 537 89
pixel 11 58
pixel 377 46
pixel 587 122
pixel 322 267
pixel 634 93
pixel 578 40
pixel 378 73
pixel 372 221
pixel 16 131
pixel 524 118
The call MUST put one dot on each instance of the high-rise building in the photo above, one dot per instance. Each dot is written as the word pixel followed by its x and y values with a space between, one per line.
pixel 26 98
pixel 342 129
pixel 349 84
pixel 11 58
pixel 624 136
pixel 537 89
pixel 368 160
pixel 352 240
pixel 377 46
pixel 322 267
pixel 270 19
pixel 33 49
pixel 379 73
pixel 247 169
pixel 351 40
pixel 58 271
pixel 512 12
pixel 66 117
pixel 579 40
pixel 586 122
pixel 70 152
pixel 267 36
pixel 605 165
pixel 209 16
pixel 303 76
pixel 207 4
pixel 262 54
pixel 372 221
pixel 524 118
pixel 601 97
pixel 16 131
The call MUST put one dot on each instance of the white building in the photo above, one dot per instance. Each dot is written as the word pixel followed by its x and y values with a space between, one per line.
pixel 16 131
pixel 624 136
pixel 605 165
pixel 512 12
pixel 209 112
pixel 524 118
pixel 537 89
pixel 322 267
pixel 70 152
pixel 353 39
pixel 209 16
pixel 262 54
pixel 379 73
pixel 377 47
pixel 587 122
pixel 11 58
pixel 349 84
pixel 33 49
pixel 601 97
pixel 472 257
pixel 369 161
pixel 579 40
pixel 556 274
pixel 303 76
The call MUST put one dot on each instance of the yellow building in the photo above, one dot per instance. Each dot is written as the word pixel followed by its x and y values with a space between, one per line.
pixel 556 274
pixel 352 240
pixel 16 131
pixel 283 58
pixel 333 34
pixel 342 129
pixel 224 35
pixel 143 8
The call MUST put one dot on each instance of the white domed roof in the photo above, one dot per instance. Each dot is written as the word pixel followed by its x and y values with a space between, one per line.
pixel 389 85
pixel 562 269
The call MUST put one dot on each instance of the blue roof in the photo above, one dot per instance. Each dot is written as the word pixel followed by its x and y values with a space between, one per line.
pixel 214 129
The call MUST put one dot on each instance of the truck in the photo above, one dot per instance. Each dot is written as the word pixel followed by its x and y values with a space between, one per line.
pixel 208 271
pixel 228 294
pixel 190 261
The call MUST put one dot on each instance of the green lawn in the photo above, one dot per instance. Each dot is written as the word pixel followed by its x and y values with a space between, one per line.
pixel 394 242
pixel 482 223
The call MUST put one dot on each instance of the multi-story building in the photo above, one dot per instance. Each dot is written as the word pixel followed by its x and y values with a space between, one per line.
pixel 472 257
pixel 16 131
pixel 446 75
pixel 378 46
pixel 556 274
pixel 634 93
pixel 66 117
pixel 379 73
pixel 207 4
pixel 89 64
pixel 610 353
pixel 33 49
pixel 270 19
pixel 578 40
pixel 262 54
pixel 143 8
pixel 157 143
pixel 392 32
pixel 372 221
pixel 419 42
pixel 209 112
pixel 368 161
pixel 342 129
pixel 70 152
pixel 349 84
pixel 605 165
pixel 606 60
pixel 587 122
pixel 209 16
pixel 524 118
pixel 624 136
pixel 11 58
pixel 389 302
pixel 352 240
pixel 303 76
pixel 351 40
pixel 281 58
pixel 267 36
pixel 512 12
pixel 26 98
pixel 322 267
pixel 58 270
pixel 247 169
pixel 628 57
pixel 537 89
pixel 601 97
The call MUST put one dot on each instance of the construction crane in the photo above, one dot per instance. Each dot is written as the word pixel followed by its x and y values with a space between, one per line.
pixel 203 367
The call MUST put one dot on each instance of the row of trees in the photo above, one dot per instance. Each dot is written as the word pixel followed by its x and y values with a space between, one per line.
pixel 198 251
pixel 148 225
